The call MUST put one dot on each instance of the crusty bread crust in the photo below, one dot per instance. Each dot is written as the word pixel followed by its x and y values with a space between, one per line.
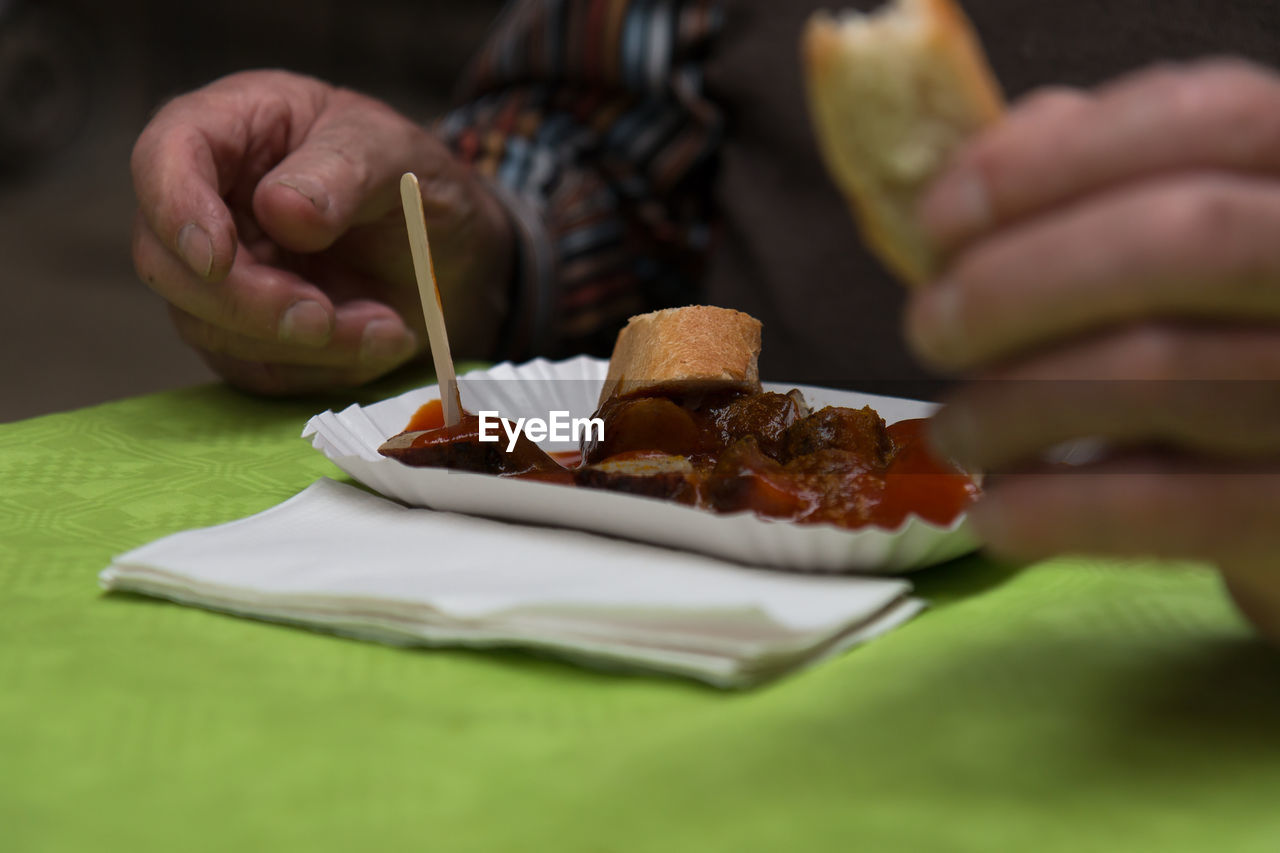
pixel 892 96
pixel 680 350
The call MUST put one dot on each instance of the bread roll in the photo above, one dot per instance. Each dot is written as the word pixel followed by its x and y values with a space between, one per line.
pixel 682 350
pixel 893 95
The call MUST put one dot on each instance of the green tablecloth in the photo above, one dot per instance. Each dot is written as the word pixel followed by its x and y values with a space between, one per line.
pixel 1076 705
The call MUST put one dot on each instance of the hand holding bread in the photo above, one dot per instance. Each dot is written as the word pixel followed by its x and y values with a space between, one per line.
pixel 1111 272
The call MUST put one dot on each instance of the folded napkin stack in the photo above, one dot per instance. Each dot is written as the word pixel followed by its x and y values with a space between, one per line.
pixel 338 559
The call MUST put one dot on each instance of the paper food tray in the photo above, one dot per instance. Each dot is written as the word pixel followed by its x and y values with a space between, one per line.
pixel 351 438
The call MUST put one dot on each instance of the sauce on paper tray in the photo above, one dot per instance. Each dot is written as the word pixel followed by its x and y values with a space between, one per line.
pixel 764 452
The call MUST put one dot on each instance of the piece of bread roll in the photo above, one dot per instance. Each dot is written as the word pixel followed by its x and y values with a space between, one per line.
pixel 893 94
pixel 684 350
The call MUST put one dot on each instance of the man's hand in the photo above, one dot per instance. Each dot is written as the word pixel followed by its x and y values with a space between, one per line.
pixel 269 218
pixel 1114 273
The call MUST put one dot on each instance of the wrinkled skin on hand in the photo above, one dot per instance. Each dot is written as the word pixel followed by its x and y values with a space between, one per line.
pixel 269 219
pixel 1114 273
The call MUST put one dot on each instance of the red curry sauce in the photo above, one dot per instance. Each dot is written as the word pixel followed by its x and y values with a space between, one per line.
pixel 896 474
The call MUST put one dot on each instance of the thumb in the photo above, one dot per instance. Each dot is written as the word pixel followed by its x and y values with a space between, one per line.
pixel 345 172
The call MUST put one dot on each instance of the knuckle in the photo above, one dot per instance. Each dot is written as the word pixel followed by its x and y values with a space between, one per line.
pixel 1052 99
pixel 1195 217
pixel 1247 109
pixel 367 115
pixel 254 312
pixel 985 266
pixel 1231 92
pixel 1227 72
pixel 352 166
pixel 445 192
pixel 1215 228
pixel 1153 352
pixel 349 99
pixel 1156 79
pixel 1228 94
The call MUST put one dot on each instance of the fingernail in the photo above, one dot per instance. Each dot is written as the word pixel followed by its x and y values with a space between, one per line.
pixel 386 342
pixel 308 188
pixel 196 248
pixel 935 325
pixel 306 323
pixel 957 206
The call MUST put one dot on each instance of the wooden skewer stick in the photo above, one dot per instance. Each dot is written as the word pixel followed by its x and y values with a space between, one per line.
pixel 429 293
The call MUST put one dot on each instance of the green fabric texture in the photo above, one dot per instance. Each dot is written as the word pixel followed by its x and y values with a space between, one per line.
pixel 1072 705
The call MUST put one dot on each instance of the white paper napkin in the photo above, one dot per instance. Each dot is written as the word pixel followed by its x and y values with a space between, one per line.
pixel 336 558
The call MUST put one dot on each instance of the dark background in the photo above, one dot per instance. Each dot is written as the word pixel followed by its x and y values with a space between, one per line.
pixel 78 80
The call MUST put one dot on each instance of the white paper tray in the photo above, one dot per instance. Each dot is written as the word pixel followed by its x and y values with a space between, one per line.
pixel 351 438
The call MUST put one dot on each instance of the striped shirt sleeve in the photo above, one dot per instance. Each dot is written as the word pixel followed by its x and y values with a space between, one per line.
pixel 590 119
